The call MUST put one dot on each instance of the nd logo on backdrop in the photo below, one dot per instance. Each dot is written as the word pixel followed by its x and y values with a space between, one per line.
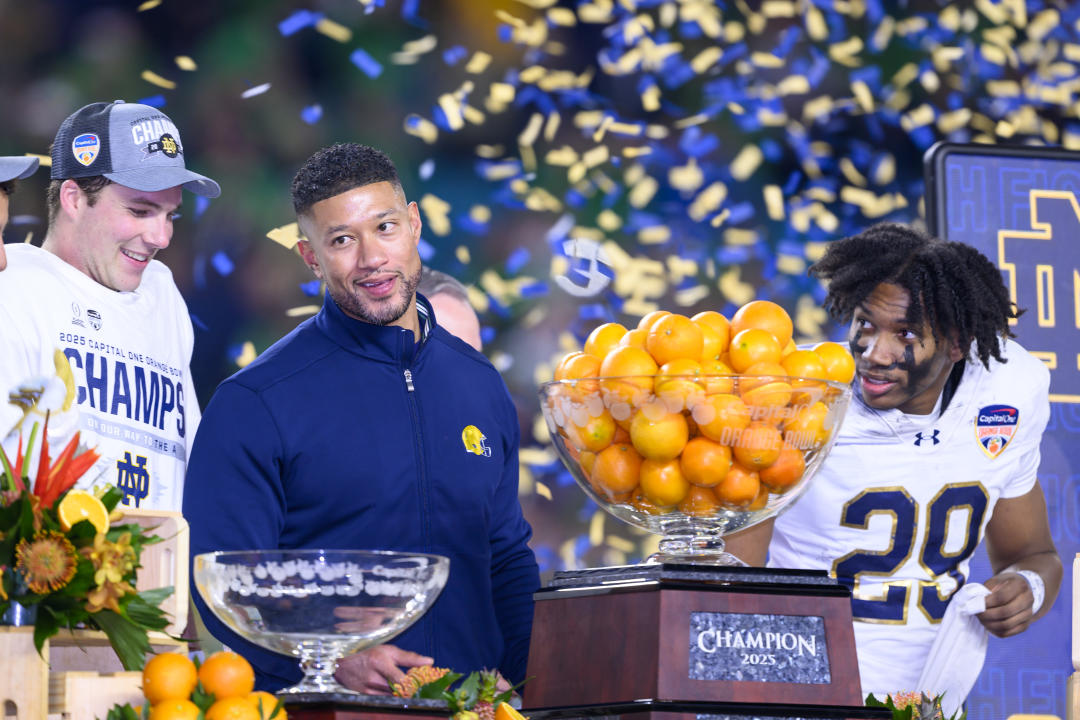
pixel 1020 207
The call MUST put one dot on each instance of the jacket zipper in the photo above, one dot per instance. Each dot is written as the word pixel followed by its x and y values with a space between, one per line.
pixel 408 380
pixel 422 482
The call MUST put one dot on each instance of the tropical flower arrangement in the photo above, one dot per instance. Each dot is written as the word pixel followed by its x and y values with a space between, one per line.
pixel 477 697
pixel 913 706
pixel 61 559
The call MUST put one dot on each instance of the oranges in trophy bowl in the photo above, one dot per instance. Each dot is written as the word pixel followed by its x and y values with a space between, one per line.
pixel 697 419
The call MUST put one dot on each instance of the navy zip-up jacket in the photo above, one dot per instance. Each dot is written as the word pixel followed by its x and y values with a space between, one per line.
pixel 348 435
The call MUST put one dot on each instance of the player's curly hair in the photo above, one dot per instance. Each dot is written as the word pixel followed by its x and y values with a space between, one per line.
pixel 337 169
pixel 953 286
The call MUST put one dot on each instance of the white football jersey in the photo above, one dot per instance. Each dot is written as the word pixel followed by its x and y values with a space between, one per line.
pixel 130 354
pixel 902 501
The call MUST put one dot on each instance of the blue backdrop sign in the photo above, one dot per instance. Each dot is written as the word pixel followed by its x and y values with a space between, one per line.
pixel 1021 207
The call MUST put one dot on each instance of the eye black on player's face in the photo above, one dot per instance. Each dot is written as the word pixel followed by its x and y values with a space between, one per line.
pixel 899 364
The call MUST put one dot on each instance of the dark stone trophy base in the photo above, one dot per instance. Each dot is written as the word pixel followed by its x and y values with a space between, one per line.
pixel 353 706
pixel 711 637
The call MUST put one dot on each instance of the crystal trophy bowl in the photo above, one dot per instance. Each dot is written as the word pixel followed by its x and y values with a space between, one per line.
pixel 319 605
pixel 695 457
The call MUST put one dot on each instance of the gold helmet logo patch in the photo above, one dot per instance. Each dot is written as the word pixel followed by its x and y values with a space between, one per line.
pixel 475 441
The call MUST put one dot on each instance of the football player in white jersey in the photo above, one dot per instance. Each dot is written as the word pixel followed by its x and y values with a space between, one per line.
pixel 939 449
pixel 94 306
pixel 12 169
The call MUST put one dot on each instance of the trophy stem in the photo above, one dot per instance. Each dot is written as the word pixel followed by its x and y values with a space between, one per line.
pixel 693 541
pixel 319 663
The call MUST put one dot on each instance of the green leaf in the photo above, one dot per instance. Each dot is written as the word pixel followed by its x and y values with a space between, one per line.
pixel 45 626
pixel 201 698
pixel 434 690
pixel 122 712
pixel 127 639
pixel 147 614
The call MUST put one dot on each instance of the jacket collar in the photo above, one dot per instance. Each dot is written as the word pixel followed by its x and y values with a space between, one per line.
pixel 378 342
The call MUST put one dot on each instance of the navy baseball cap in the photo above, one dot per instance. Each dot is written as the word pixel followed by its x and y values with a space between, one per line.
pixel 17 168
pixel 133 145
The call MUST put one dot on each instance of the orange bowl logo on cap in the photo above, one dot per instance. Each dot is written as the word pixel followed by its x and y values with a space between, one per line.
pixel 85 148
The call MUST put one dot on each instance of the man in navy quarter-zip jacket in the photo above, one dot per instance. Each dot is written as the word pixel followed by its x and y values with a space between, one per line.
pixel 371 427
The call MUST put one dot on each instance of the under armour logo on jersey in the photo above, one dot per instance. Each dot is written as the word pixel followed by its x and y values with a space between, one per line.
pixel 919 439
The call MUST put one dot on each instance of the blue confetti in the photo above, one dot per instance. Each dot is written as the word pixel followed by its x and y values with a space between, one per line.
pixel 298 21
pixel 157 101
pixel 536 289
pixel 410 11
pixel 426 250
pixel 454 55
pixel 427 169
pixel 222 263
pixel 312 288
pixel 367 64
pixel 311 114
pixel 487 334
pixel 517 260
pixel 201 205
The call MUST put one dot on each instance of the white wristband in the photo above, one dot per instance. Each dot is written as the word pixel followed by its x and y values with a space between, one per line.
pixel 1038 588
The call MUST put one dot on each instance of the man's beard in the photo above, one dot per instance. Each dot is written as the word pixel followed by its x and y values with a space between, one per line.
pixel 383 313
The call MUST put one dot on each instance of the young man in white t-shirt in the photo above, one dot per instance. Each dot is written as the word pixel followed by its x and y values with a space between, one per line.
pixel 93 306
pixel 939 449
pixel 12 169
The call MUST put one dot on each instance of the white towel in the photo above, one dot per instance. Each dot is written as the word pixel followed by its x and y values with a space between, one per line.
pixel 956 657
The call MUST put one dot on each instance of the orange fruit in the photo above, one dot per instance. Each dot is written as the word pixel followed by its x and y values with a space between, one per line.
pixel 560 368
pixel 659 434
pixel 643 504
pixel 739 488
pixel 722 418
pixel 269 703
pixel 616 469
pixel 227 675
pixel 648 319
pixel 761 500
pixel 79 505
pixel 712 345
pixel 633 338
pixel 628 373
pixel 806 430
pixel 603 338
pixel 704 462
pixel 772 390
pixel 804 364
pixel 595 435
pixel 714 385
pixel 785 472
pixel 168 676
pixel 753 346
pixel 699 501
pixel 233 708
pixel 764 315
pixel 839 365
pixel 788 349
pixel 506 711
pixel 586 460
pixel 717 322
pixel 759 446
pixel 174 709
pixel 675 383
pixel 673 337
pixel 581 367
pixel 662 482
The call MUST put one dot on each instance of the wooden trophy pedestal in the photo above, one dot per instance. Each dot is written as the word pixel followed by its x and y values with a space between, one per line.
pixel 698 635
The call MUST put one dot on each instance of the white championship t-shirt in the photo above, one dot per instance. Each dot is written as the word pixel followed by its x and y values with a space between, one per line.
pixel 902 501
pixel 130 354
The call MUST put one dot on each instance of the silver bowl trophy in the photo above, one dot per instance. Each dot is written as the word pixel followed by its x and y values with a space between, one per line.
pixel 319 605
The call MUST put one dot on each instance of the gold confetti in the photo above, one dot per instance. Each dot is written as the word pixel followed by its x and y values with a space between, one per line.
pixel 422 128
pixel 816 27
pixel 778 9
pixel 790 265
pixel 596 156
pixel 706 59
pixel 791 85
pixel 561 157
pixel 687 178
pixel 707 201
pixel 480 213
pixel 287 235
pixel 185 63
pixel 562 17
pixel 650 98
pixel 478 63
pixel 863 96
pixel 920 116
pixel 451 107
pixel 851 172
pixel 148 5
pixel 655 235
pixel 844 52
pixel 247 354
pixel 885 171
pixel 643 191
pixel 528 136
pixel 43 160
pixel 436 213
pixel 154 79
pixel 720 218
pixel 774 201
pixel 733 288
pixel 609 220
pixel 766 60
pixel 552 125
pixel 746 162
pixel 333 30
pixel 542 490
pixel 302 311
